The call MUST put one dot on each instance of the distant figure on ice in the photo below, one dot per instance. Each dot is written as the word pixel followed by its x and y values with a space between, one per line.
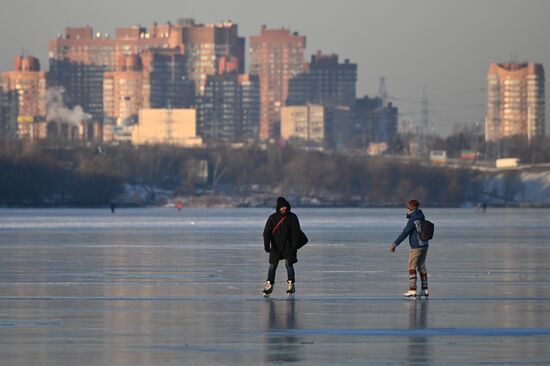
pixel 179 205
pixel 112 207
pixel 281 241
pixel 482 206
pixel 419 248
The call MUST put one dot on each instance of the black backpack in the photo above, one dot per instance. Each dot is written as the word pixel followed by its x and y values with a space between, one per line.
pixel 302 239
pixel 426 230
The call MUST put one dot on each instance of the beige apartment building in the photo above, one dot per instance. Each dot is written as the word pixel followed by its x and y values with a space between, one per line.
pixel 306 122
pixel 123 89
pixel 276 56
pixel 30 85
pixel 206 45
pixel 515 101
pixel 166 126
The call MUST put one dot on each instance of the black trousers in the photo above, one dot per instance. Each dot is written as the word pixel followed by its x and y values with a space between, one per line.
pixel 273 269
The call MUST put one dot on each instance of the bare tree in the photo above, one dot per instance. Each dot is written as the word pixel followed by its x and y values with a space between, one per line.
pixel 219 171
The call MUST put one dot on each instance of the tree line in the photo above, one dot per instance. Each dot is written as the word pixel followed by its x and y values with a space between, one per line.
pixel 45 174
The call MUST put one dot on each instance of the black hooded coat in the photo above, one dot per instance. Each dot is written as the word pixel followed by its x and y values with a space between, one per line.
pixel 283 243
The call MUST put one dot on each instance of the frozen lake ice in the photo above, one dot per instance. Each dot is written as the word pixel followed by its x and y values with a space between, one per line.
pixel 162 287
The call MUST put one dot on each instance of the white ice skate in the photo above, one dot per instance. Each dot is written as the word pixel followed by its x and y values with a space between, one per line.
pixel 290 289
pixel 410 294
pixel 268 289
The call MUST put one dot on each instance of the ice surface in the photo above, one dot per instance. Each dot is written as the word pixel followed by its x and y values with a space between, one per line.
pixel 162 287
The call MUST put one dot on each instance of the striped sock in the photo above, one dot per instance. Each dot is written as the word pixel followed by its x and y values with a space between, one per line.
pixel 412 279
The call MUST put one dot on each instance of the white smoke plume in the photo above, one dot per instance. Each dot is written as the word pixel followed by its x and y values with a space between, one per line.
pixel 58 112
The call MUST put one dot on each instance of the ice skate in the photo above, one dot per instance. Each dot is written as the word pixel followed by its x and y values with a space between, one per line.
pixel 424 293
pixel 410 294
pixel 268 289
pixel 290 288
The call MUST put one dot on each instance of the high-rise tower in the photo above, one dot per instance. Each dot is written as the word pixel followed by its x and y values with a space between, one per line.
pixel 276 56
pixel 515 101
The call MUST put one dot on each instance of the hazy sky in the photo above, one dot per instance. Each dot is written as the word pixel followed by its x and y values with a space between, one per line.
pixel 441 45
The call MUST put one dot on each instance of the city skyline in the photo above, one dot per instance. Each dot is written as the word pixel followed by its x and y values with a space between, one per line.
pixel 443 47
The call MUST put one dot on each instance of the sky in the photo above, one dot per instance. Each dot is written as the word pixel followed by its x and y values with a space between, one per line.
pixel 442 48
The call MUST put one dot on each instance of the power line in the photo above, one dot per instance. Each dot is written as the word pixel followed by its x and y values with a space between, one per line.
pixel 463 92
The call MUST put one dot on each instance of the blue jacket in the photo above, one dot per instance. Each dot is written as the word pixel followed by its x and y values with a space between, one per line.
pixel 412 229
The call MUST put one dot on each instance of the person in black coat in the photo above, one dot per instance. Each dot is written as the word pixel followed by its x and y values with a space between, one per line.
pixel 281 237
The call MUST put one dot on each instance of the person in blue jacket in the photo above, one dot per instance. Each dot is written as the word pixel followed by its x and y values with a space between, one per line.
pixel 419 249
